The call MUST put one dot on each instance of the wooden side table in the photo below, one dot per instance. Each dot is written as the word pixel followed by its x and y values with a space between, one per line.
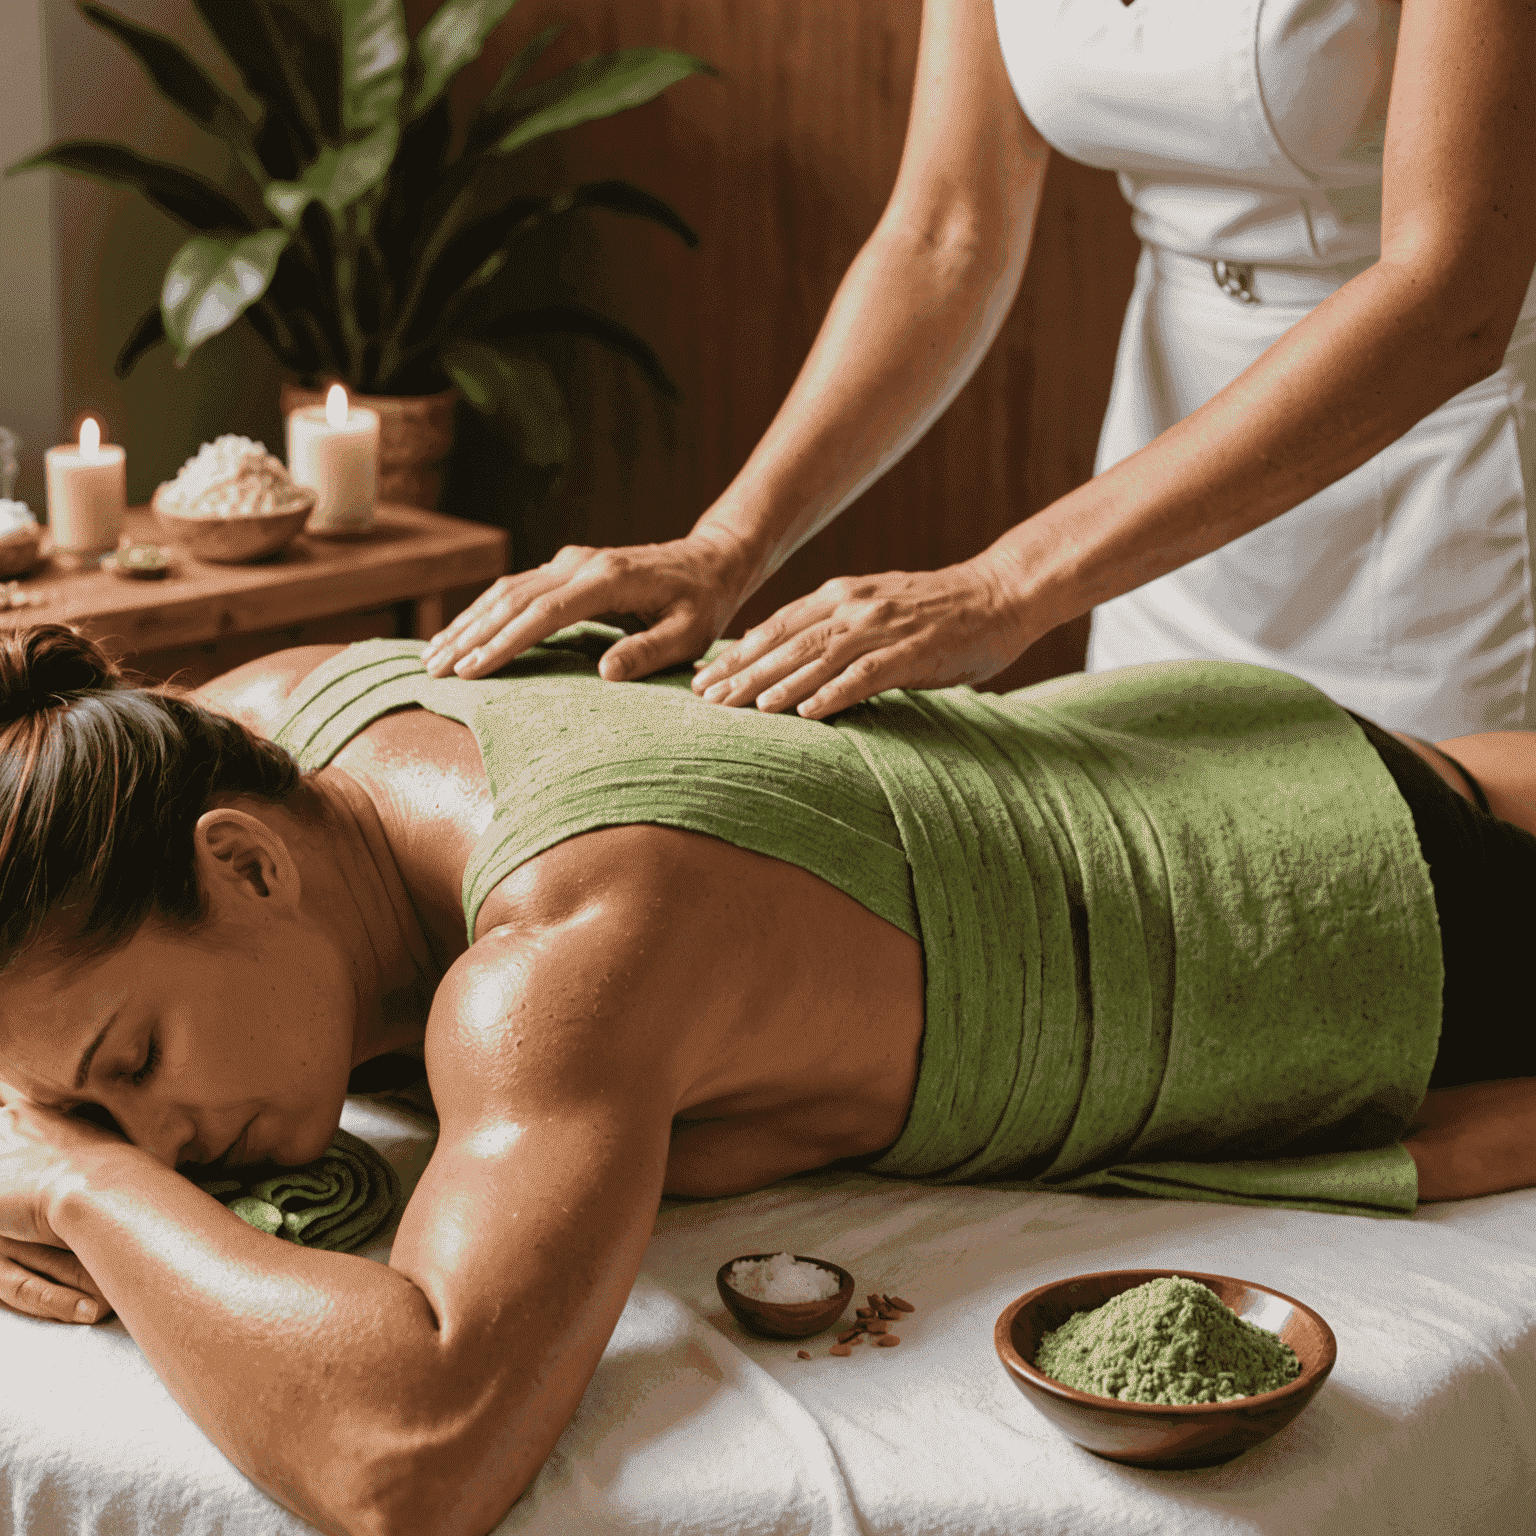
pixel 391 581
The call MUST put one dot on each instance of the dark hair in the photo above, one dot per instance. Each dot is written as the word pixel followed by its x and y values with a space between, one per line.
pixel 101 784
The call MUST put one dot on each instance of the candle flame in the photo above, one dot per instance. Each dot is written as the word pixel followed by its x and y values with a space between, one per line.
pixel 90 435
pixel 336 406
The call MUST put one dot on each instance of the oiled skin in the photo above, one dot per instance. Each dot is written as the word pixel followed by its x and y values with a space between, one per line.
pixel 809 1055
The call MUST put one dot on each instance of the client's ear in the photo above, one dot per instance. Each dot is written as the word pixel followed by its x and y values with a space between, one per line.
pixel 240 856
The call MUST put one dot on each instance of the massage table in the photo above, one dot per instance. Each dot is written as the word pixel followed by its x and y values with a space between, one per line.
pixel 692 1427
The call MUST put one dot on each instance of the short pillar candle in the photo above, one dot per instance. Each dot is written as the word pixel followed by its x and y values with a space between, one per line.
pixel 334 450
pixel 87 493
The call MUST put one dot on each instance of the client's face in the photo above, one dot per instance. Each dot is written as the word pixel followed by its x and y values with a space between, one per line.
pixel 235 1033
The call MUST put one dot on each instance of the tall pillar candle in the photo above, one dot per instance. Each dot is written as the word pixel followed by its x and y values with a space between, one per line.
pixel 334 450
pixel 87 494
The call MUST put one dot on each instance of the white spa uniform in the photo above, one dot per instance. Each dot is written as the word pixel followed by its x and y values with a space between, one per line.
pixel 1249 132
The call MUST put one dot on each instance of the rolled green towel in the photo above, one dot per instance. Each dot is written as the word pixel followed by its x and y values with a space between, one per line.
pixel 338 1202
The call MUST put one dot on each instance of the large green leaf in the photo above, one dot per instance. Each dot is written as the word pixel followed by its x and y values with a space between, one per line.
pixel 211 282
pixel 374 49
pixel 495 115
pixel 183 83
pixel 454 36
pixel 416 172
pixel 575 320
pixel 275 51
pixel 475 257
pixel 520 391
pixel 149 332
pixel 622 197
pixel 311 36
pixel 597 87
pixel 337 178
pixel 186 197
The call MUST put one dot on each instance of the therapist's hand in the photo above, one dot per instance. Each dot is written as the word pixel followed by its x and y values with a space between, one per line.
pixel 685 591
pixel 856 635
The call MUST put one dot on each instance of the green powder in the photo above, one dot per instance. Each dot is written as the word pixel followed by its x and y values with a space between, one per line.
pixel 1168 1341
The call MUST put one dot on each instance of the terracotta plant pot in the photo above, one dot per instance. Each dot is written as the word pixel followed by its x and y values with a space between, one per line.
pixel 415 434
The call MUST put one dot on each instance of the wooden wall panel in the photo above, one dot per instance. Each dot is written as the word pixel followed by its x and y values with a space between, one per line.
pixel 783 165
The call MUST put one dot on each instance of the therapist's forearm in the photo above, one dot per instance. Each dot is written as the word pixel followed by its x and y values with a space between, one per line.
pixel 911 320
pixel 294 1361
pixel 1352 377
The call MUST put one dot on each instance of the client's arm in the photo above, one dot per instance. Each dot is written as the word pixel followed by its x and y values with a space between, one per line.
pixel 425 1396
pixel 1478 1139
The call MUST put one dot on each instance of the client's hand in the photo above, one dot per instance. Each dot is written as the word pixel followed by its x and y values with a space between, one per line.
pixel 48 1282
pixel 857 635
pixel 685 591
pixel 41 1149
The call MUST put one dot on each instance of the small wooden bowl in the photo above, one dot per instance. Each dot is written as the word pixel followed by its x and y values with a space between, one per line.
pixel 1156 1434
pixel 20 550
pixel 784 1319
pixel 234 540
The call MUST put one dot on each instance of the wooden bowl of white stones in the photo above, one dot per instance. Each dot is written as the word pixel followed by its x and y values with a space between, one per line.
pixel 232 503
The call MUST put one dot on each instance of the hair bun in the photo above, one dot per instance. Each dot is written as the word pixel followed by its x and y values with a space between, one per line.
pixel 43 663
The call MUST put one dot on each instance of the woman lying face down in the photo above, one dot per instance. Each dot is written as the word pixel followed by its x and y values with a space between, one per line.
pixel 648 945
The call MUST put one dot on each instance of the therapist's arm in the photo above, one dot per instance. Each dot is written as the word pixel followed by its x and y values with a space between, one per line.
pixel 913 317
pixel 919 307
pixel 1432 317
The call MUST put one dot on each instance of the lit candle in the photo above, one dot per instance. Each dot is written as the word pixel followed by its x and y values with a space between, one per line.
pixel 334 449
pixel 87 493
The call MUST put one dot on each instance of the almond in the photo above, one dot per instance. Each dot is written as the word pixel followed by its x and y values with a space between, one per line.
pixel 874 1327
pixel 900 1305
pixel 890 1314
pixel 841 1349
pixel 864 1312
pixel 802 1354
pixel 887 1341
pixel 843 1338
pixel 873 1300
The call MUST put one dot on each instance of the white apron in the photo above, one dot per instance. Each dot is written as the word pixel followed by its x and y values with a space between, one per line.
pixel 1249 132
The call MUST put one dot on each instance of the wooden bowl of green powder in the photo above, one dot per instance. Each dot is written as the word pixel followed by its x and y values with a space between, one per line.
pixel 1164 1368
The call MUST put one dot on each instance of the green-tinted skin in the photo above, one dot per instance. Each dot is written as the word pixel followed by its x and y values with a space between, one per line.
pixel 1168 1341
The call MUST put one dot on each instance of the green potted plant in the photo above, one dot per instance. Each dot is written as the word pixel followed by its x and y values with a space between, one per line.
pixel 352 235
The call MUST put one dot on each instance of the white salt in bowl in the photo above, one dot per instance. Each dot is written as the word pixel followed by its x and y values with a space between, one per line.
pixel 235 540
pixel 784 1319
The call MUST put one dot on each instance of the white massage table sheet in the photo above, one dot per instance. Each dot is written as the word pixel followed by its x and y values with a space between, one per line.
pixel 690 1426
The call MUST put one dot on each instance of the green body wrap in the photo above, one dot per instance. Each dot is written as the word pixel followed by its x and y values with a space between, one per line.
pixel 1178 935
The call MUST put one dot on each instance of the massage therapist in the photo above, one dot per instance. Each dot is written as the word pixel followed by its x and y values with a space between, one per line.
pixel 1320 448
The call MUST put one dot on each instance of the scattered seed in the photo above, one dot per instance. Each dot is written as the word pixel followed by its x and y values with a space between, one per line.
pixel 841 1349
pixel 887 1341
pixel 802 1354
pixel 874 1327
pixel 900 1305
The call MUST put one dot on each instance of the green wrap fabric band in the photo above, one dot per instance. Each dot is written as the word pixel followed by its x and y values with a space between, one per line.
pixel 337 1202
pixel 1178 936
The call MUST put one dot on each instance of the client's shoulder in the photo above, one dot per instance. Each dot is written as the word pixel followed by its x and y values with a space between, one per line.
pixel 256 694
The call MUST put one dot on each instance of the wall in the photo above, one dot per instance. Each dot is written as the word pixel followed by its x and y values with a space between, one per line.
pixel 109 251
pixel 29 355
pixel 783 165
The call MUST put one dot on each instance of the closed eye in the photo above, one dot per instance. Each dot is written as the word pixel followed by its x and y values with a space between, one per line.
pixel 151 1061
